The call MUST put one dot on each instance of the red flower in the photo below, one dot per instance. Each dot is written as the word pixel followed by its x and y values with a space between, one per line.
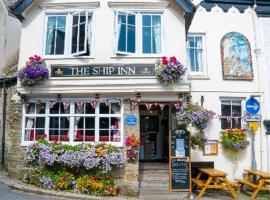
pixel 108 178
pixel 164 60
pixel 95 177
pixel 173 59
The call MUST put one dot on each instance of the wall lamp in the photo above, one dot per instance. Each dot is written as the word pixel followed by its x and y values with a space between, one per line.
pixel 96 96
pixel 23 99
pixel 138 97
pixel 202 100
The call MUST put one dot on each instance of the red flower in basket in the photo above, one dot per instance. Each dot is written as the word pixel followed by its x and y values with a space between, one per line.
pixel 164 60
pixel 173 59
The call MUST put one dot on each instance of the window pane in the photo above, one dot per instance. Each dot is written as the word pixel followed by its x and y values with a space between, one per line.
pixel 50 40
pixel 39 133
pixel 225 110
pixel 80 124
pixel 104 123
pixel 192 61
pixel 61 22
pixel 54 122
pixel 115 108
pixel 146 20
pixel 41 108
pixel 131 39
pixel 89 135
pixel 54 108
pixel 146 40
pixel 30 108
pixel 29 122
pixel 115 136
pixel 51 22
pixel 54 135
pixel 103 109
pixel 224 124
pixel 122 38
pixel 64 122
pixel 236 110
pixel 60 41
pixel 131 19
pixel 198 42
pixel 75 19
pixel 82 17
pixel 74 39
pixel 191 41
pixel 122 18
pixel 82 37
pixel 156 21
pixel 236 123
pixel 40 122
pixel 89 109
pixel 89 122
pixel 115 123
pixel 104 136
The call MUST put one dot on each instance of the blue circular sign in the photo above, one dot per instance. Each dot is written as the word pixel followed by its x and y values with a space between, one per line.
pixel 131 119
pixel 252 106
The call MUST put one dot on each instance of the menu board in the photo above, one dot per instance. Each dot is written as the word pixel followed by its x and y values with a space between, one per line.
pixel 180 175
pixel 179 143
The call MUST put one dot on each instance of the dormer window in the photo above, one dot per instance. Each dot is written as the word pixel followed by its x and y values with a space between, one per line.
pixel 68 34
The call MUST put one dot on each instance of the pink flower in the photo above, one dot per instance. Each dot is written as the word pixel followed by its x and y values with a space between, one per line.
pixel 164 60
pixel 173 59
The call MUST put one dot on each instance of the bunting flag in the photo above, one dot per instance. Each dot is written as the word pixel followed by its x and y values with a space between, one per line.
pixel 161 106
pixel 120 102
pixel 80 105
pixel 52 103
pixel 107 102
pixel 93 104
pixel 134 104
pixel 177 106
pixel 66 105
pixel 148 106
pixel 39 102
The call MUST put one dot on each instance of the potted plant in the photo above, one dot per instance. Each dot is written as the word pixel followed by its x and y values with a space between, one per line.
pixel 34 72
pixel 132 144
pixel 169 70
pixel 234 140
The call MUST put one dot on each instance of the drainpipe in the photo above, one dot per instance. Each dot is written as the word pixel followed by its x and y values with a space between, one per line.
pixel 259 65
pixel 4 114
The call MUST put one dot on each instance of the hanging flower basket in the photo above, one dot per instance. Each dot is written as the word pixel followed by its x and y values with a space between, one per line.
pixel 169 70
pixel 234 140
pixel 132 144
pixel 34 72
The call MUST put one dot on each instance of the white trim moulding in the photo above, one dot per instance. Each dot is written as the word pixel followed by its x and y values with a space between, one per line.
pixel 67 5
pixel 138 5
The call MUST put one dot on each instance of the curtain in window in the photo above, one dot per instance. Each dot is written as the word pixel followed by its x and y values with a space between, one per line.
pixel 30 121
pixel 50 41
pixel 79 110
pixel 156 34
pixel 199 66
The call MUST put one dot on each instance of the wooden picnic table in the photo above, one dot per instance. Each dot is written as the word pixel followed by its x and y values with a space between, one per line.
pixel 216 180
pixel 262 181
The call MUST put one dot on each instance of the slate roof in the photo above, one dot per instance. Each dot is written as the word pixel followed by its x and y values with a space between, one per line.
pixel 262 6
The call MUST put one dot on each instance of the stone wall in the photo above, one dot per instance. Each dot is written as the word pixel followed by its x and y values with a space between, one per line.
pixel 13 151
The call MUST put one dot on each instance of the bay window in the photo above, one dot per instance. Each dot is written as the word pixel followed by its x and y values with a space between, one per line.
pixel 73 122
pixel 68 34
pixel 138 33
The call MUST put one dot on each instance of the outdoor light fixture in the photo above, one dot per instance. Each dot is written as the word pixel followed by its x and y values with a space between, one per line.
pixel 180 97
pixel 202 100
pixel 23 99
pixel 138 97
pixel 97 96
pixel 59 97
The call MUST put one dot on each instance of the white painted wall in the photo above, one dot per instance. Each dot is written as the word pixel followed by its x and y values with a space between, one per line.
pixel 9 39
pixel 103 33
pixel 215 25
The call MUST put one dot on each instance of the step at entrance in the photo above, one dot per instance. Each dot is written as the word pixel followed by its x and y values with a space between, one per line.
pixel 154 182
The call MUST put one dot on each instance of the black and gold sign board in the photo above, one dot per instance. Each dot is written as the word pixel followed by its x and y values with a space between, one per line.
pixel 180 166
pixel 102 70
pixel 180 176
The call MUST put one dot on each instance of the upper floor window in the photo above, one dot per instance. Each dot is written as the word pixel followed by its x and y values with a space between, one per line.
pixel 139 33
pixel 231 112
pixel 68 34
pixel 196 54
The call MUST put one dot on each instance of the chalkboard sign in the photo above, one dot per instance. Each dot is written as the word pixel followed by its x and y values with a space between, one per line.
pixel 180 175
pixel 180 143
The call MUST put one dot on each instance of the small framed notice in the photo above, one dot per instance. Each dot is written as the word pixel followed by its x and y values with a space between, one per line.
pixel 210 148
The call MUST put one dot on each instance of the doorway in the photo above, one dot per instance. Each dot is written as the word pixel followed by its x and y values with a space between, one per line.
pixel 154 133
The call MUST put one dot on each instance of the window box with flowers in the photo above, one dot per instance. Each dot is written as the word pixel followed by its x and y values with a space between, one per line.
pixel 169 70
pixel 234 140
pixel 34 72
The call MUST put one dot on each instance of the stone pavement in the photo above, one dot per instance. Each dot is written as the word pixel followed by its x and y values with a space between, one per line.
pixel 11 189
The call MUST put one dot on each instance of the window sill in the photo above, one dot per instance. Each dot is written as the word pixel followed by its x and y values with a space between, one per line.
pixel 138 56
pixel 67 57
pixel 198 77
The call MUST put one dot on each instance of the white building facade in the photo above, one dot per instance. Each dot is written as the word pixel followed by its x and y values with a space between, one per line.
pixel 101 56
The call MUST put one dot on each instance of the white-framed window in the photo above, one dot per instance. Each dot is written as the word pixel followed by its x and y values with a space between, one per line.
pixel 68 34
pixel 196 54
pixel 231 113
pixel 73 122
pixel 139 33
